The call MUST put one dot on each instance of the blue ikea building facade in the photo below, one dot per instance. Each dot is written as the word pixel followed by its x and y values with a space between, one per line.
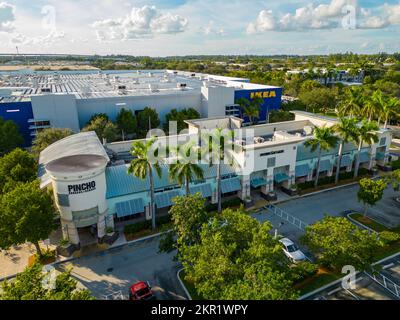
pixel 272 100
pixel 19 112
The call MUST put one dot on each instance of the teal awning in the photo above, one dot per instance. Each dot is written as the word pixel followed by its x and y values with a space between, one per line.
pixel 364 157
pixel 380 156
pixel 129 208
pixel 231 185
pixel 164 199
pixel 281 177
pixel 346 161
pixel 204 189
pixel 302 170
pixel 325 165
pixel 258 182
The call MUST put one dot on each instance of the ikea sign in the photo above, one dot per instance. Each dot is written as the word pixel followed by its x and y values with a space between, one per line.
pixel 263 94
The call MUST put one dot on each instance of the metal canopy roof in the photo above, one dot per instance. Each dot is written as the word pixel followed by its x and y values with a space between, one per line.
pixel 325 165
pixel 129 208
pixel 346 161
pixel 230 185
pixel 204 189
pixel 281 177
pixel 364 157
pixel 164 199
pixel 302 170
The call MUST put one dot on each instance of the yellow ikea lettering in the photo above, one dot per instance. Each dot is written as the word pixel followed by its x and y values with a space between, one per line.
pixel 263 94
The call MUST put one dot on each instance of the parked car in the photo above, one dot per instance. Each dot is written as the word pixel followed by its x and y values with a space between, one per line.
pixel 292 251
pixel 141 291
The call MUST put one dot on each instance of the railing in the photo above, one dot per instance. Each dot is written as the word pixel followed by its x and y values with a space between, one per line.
pixel 386 283
pixel 287 217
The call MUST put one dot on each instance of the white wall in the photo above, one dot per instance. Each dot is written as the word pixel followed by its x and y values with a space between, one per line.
pixel 60 109
pixel 161 103
pixel 215 99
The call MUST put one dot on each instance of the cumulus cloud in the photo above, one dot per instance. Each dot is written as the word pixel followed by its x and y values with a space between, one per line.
pixel 140 22
pixel 7 17
pixel 326 16
pixel 210 29
pixel 46 40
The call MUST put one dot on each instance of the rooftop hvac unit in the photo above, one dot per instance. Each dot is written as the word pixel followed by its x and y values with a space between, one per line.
pixel 181 86
pixel 85 91
pixel 153 87
pixel 193 75
pixel 259 140
pixel 45 90
pixel 241 142
pixel 121 87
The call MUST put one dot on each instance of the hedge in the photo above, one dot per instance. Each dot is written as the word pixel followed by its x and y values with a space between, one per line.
pixel 143 225
pixel 236 202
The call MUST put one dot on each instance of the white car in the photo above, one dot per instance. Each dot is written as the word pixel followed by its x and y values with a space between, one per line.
pixel 292 251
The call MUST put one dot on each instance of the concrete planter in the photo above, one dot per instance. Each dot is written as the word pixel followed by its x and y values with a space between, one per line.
pixel 67 250
pixel 109 238
pixel 248 203
pixel 290 192
pixel 272 196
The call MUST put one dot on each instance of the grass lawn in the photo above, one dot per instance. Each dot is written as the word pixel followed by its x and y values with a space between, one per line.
pixel 190 287
pixel 323 277
pixel 370 223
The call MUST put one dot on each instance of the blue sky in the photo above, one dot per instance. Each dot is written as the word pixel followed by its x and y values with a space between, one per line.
pixel 185 27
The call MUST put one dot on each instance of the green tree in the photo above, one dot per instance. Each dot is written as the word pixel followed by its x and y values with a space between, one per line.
pixel 104 129
pixel 142 166
pixel 96 116
pixel 391 108
pixel 143 119
pixel 217 143
pixel 26 214
pixel 319 99
pixel 370 192
pixel 28 285
pixel 185 169
pixel 337 242
pixel 180 117
pixel 238 258
pixel 347 130
pixel 126 122
pixel 352 102
pixel 18 166
pixel 323 140
pixel 366 134
pixel 47 137
pixel 188 214
pixel 10 138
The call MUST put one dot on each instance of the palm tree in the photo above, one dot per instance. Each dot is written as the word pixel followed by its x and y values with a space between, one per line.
pixel 143 165
pixel 346 128
pixel 366 134
pixel 390 109
pixel 353 102
pixel 184 170
pixel 250 108
pixel 214 150
pixel 375 105
pixel 323 140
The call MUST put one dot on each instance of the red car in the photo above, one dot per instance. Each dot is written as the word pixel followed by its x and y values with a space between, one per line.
pixel 141 291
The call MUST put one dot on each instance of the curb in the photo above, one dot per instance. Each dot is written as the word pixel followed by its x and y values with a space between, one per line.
pixel 341 279
pixel 361 224
pixel 178 275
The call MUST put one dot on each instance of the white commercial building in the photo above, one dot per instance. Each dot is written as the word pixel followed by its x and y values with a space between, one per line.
pixel 92 187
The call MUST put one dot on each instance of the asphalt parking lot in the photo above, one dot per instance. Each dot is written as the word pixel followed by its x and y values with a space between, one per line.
pixel 112 272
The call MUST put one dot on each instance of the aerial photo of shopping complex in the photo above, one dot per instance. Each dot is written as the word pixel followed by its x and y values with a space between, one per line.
pixel 199 150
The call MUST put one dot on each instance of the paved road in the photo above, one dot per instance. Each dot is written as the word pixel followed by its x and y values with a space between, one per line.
pixel 115 270
pixel 313 208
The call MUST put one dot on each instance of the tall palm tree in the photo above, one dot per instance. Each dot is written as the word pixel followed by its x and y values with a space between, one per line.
pixel 390 109
pixel 366 134
pixel 352 103
pixel 323 140
pixel 375 105
pixel 250 108
pixel 214 150
pixel 146 161
pixel 346 129
pixel 185 170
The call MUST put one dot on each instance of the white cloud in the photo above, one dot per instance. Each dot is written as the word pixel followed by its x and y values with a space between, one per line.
pixel 210 29
pixel 374 22
pixel 46 40
pixel 7 17
pixel 393 12
pixel 265 22
pixel 141 22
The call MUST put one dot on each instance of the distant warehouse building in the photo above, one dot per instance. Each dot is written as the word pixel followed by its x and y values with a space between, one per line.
pixel 69 99
pixel 92 187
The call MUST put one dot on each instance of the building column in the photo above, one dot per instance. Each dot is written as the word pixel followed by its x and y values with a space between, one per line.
pixel 246 188
pixel 110 221
pixel 330 172
pixel 349 168
pixel 147 212
pixel 372 161
pixel 70 232
pixel 101 226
